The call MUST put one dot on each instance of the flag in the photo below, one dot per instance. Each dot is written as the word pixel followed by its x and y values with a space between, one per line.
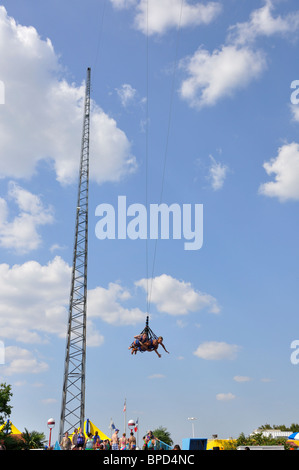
pixel 125 406
pixel 136 425
pixel 112 425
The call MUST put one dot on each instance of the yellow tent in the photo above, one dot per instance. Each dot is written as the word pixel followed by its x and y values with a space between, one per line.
pixel 89 427
pixel 14 430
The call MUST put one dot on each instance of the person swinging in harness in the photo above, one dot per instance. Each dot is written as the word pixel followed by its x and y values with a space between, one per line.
pixel 142 343
pixel 147 341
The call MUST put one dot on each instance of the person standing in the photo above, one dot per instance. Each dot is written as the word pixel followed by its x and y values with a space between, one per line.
pixel 96 438
pixel 74 439
pixel 123 442
pixel 66 443
pixel 89 442
pixel 132 441
pixel 115 440
pixel 80 440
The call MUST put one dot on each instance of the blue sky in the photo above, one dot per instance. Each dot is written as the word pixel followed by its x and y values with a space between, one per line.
pixel 206 88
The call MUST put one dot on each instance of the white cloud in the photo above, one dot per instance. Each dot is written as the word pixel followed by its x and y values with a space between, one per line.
pixel 156 376
pixel 217 174
pixel 263 23
pixel 34 302
pixel 285 167
pixel 162 15
pixel 214 350
pixel 22 361
pixel 241 378
pixel 219 74
pixel 107 305
pixel 212 76
pixel 225 396
pixel 126 94
pixel 21 233
pixel 177 297
pixel 158 16
pixel 43 113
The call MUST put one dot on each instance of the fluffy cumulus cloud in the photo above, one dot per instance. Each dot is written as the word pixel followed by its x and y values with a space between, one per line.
pixel 285 168
pixel 21 233
pixel 107 304
pixel 33 300
pixel 162 15
pixel 212 76
pixel 22 361
pixel 176 297
pixel 264 22
pixel 215 350
pixel 158 16
pixel 43 113
pixel 34 307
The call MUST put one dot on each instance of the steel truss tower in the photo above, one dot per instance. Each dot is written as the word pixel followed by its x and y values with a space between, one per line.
pixel 73 396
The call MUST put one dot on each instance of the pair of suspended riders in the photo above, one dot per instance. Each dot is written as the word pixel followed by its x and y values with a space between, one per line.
pixel 147 342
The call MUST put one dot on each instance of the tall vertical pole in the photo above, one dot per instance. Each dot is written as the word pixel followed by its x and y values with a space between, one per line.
pixel 73 396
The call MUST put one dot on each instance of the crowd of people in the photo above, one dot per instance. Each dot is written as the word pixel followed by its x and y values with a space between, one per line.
pixel 150 442
pixel 78 441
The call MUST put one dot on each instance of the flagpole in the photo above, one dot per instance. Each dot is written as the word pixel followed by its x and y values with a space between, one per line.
pixel 125 415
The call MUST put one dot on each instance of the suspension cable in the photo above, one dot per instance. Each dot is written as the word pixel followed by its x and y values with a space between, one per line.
pixel 149 293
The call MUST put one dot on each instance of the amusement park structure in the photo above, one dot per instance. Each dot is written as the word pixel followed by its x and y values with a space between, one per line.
pixel 73 394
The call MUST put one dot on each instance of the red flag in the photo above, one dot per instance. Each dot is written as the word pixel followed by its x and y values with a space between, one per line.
pixel 125 406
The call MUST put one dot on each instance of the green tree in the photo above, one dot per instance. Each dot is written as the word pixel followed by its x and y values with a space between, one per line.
pixel 33 440
pixel 5 408
pixel 294 427
pixel 260 440
pixel 163 435
pixel 12 443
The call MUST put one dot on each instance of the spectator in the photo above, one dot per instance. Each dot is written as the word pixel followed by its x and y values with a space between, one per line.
pixel 115 440
pixel 89 445
pixel 74 439
pixel 132 441
pixel 66 443
pixel 80 440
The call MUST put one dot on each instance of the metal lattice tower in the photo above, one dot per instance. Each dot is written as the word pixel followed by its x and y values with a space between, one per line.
pixel 73 396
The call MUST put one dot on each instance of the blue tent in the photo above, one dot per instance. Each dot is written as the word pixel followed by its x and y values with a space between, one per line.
pixel 57 446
